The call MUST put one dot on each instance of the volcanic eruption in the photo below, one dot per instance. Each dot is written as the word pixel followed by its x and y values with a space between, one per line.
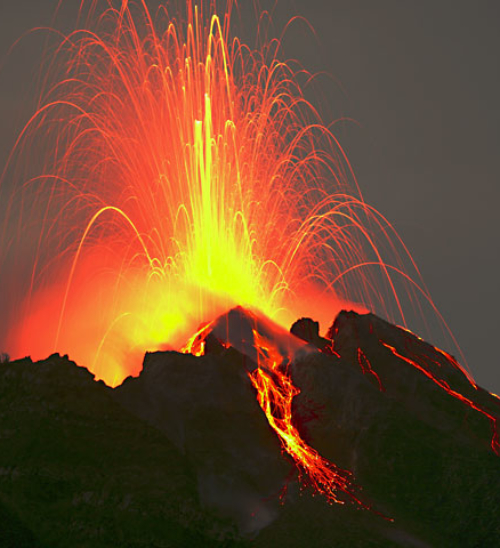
pixel 182 174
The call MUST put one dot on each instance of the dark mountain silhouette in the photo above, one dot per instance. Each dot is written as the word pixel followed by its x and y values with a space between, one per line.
pixel 183 455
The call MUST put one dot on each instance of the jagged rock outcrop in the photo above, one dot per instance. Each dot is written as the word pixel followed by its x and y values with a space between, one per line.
pixel 308 330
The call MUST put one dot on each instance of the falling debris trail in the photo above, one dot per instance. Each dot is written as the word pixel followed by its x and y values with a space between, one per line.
pixel 495 442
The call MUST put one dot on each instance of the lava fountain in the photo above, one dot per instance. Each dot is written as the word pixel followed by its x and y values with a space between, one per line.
pixel 168 173
pixel 171 172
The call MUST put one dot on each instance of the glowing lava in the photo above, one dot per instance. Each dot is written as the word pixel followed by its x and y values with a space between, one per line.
pixel 181 173
pixel 270 350
pixel 275 392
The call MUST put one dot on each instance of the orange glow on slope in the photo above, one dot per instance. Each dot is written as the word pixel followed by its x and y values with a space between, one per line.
pixel 196 343
pixel 495 441
pixel 181 173
pixel 366 367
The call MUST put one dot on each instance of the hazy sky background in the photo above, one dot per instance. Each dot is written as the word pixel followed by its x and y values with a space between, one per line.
pixel 422 78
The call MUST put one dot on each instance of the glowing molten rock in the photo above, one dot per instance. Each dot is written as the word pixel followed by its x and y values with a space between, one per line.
pixel 271 351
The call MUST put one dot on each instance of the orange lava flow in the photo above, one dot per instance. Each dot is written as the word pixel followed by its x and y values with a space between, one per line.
pixel 196 343
pixel 275 392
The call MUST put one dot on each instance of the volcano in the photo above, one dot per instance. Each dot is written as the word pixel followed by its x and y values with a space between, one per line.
pixel 188 454
pixel 170 172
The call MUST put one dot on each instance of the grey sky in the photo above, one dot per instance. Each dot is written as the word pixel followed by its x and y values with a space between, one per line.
pixel 423 80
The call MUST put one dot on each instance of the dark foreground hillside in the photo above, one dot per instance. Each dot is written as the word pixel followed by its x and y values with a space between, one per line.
pixel 183 455
pixel 76 469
